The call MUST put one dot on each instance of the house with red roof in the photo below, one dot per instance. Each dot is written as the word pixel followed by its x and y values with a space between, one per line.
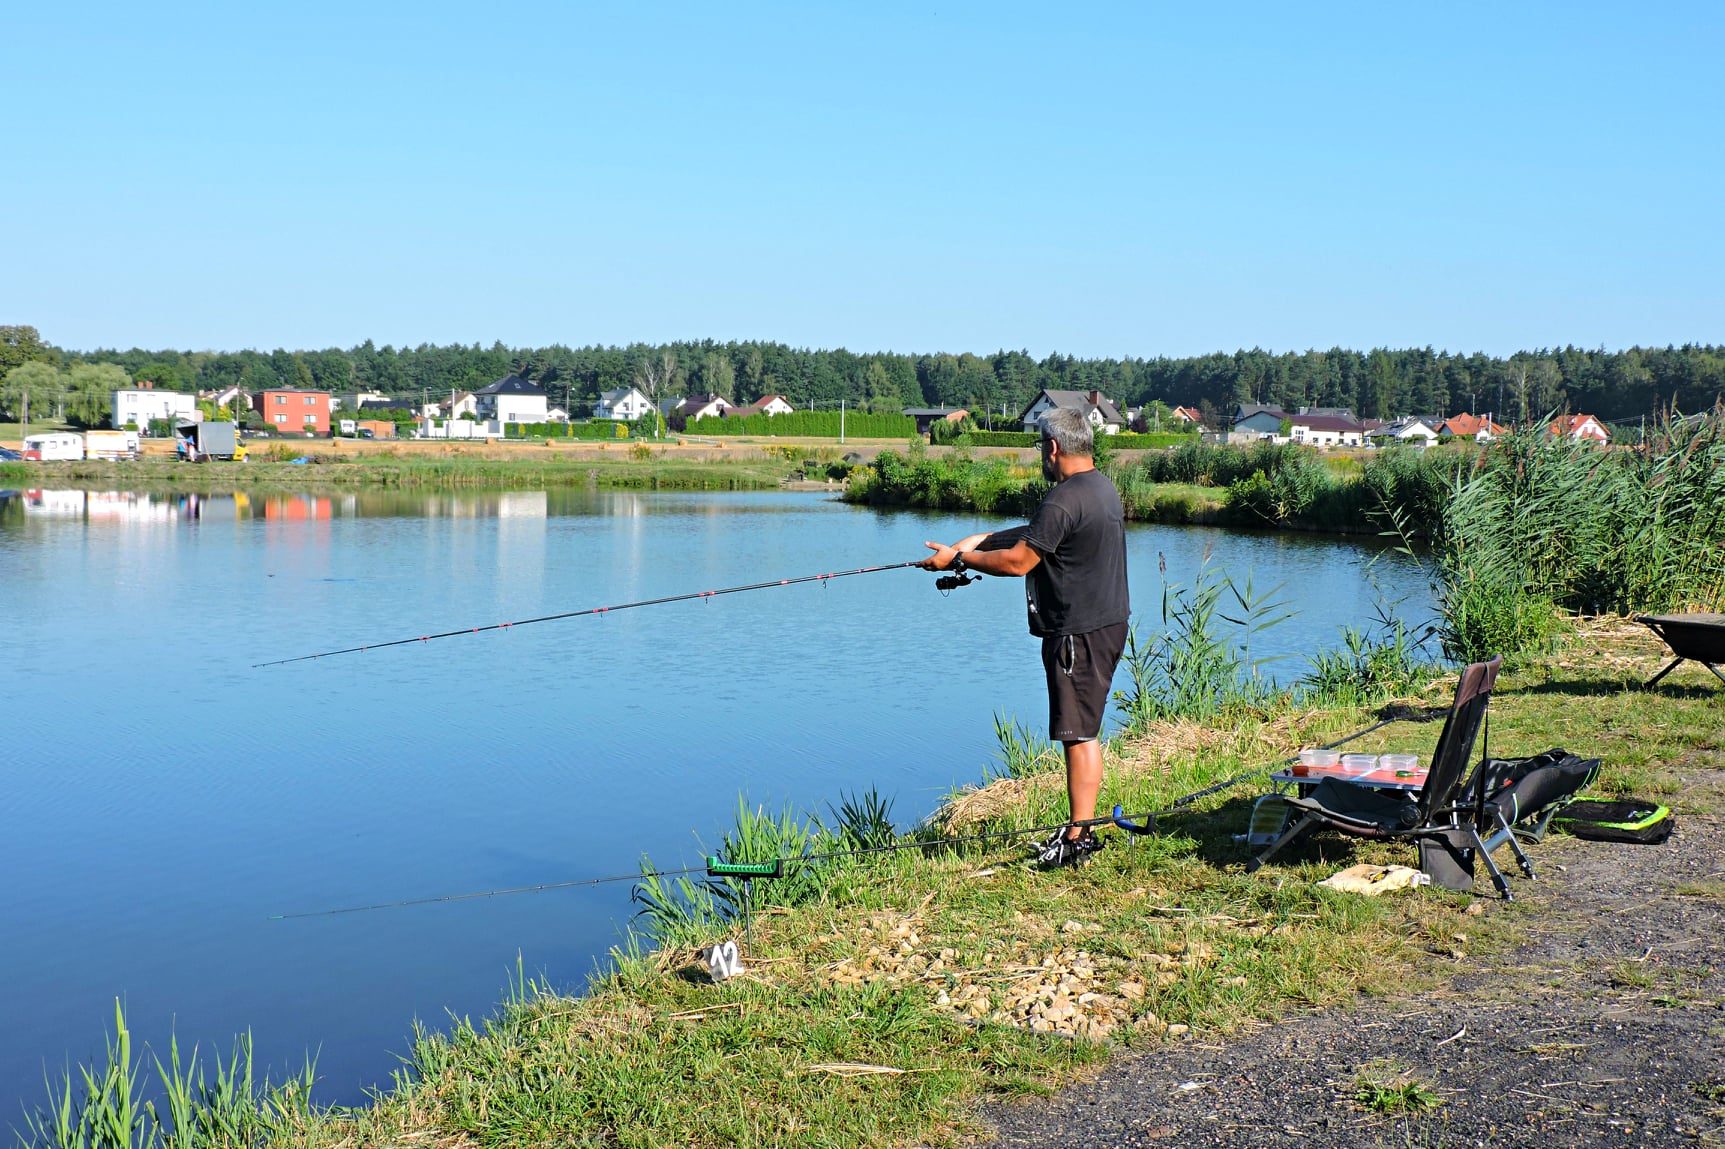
pixel 765 405
pixel 1479 428
pixel 1579 428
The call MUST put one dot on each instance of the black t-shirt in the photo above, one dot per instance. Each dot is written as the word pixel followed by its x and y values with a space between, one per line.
pixel 1080 532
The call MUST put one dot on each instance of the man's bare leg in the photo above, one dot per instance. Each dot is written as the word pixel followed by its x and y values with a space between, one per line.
pixel 1083 779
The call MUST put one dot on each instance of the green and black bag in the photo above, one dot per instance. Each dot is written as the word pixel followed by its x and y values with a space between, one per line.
pixel 1632 820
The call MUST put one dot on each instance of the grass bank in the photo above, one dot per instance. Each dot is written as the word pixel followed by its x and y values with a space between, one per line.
pixel 649 470
pixel 888 994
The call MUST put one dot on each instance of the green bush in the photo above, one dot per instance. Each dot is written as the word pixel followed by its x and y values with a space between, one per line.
pixel 597 429
pixel 998 439
pixel 813 424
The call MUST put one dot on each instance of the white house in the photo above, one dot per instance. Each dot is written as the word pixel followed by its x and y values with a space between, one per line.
pixel 702 407
pixel 767 405
pixel 458 405
pixel 625 404
pixel 233 398
pixel 138 407
pixel 511 399
pixel 1102 413
pixel 1410 430
pixel 1580 428
pixel 1325 430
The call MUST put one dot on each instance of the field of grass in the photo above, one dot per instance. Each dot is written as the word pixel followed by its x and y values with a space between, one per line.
pixel 897 990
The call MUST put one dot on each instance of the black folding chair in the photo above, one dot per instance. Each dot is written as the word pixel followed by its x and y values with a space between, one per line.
pixel 1447 831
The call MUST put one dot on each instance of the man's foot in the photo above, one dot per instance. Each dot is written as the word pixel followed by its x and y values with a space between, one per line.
pixel 1059 850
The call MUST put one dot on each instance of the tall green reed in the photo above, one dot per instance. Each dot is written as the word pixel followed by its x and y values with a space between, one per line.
pixel 1196 667
pixel 112 1105
pixel 1547 524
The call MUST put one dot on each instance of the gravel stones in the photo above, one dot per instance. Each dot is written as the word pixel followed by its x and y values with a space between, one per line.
pixel 1064 988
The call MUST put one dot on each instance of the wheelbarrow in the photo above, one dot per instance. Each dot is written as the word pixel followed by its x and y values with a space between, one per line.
pixel 1700 637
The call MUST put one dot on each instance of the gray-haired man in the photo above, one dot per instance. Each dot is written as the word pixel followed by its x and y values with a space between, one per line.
pixel 1073 556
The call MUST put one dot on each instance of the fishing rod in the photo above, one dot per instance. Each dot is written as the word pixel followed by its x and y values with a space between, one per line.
pixel 945 584
pixel 1136 824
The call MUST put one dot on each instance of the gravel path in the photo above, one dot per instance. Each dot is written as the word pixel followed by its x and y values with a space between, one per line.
pixel 1606 1028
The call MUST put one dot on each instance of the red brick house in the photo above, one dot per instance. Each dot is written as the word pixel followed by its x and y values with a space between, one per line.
pixel 293 411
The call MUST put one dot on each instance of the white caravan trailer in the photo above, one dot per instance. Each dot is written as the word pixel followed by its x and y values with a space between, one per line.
pixel 55 446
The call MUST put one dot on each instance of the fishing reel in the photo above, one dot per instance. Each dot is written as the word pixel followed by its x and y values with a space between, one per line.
pixel 955 576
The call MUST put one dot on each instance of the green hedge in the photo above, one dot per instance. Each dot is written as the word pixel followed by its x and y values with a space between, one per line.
pixel 1153 441
pixel 998 439
pixel 597 429
pixel 823 424
pixel 1124 441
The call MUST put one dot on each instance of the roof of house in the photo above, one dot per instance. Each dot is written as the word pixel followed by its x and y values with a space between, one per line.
pixel 512 385
pixel 619 394
pixel 1407 422
pixel 1467 426
pixel 761 403
pixel 1246 410
pixel 1191 413
pixel 387 405
pixel 1339 423
pixel 1572 424
pixel 1078 401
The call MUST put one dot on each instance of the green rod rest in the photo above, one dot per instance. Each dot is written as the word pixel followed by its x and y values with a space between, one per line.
pixel 721 869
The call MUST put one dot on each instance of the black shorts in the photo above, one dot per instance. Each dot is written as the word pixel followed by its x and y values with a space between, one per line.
pixel 1080 669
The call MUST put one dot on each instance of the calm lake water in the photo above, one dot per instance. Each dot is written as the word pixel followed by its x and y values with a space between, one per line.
pixel 164 798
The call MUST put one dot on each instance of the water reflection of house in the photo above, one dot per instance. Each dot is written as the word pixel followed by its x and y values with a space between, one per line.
pixel 296 508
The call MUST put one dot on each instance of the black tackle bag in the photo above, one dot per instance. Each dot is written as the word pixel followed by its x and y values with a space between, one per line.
pixel 1630 820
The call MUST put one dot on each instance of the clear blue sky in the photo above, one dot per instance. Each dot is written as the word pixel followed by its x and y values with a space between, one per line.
pixel 1097 179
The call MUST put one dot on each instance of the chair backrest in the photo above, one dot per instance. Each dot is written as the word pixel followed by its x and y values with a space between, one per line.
pixel 1460 730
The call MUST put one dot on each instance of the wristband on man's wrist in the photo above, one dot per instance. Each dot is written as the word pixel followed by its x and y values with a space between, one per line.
pixel 957 563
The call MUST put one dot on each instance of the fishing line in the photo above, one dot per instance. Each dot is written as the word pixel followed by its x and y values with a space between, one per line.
pixel 1132 823
pixel 700 594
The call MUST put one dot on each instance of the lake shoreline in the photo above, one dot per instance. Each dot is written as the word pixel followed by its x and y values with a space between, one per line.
pixel 918 993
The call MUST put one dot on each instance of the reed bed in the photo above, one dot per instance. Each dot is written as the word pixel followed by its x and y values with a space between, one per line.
pixel 1543 527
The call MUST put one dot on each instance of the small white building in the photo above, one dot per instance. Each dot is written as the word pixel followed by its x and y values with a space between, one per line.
pixel 511 399
pixel 625 404
pixel 138 406
pixel 766 405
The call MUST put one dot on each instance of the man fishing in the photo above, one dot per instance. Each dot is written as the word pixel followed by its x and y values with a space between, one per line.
pixel 1073 556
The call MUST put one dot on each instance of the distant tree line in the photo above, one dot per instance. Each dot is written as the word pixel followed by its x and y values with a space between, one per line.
pixel 1616 386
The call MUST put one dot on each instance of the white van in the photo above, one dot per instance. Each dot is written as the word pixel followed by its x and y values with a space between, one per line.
pixel 55 446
